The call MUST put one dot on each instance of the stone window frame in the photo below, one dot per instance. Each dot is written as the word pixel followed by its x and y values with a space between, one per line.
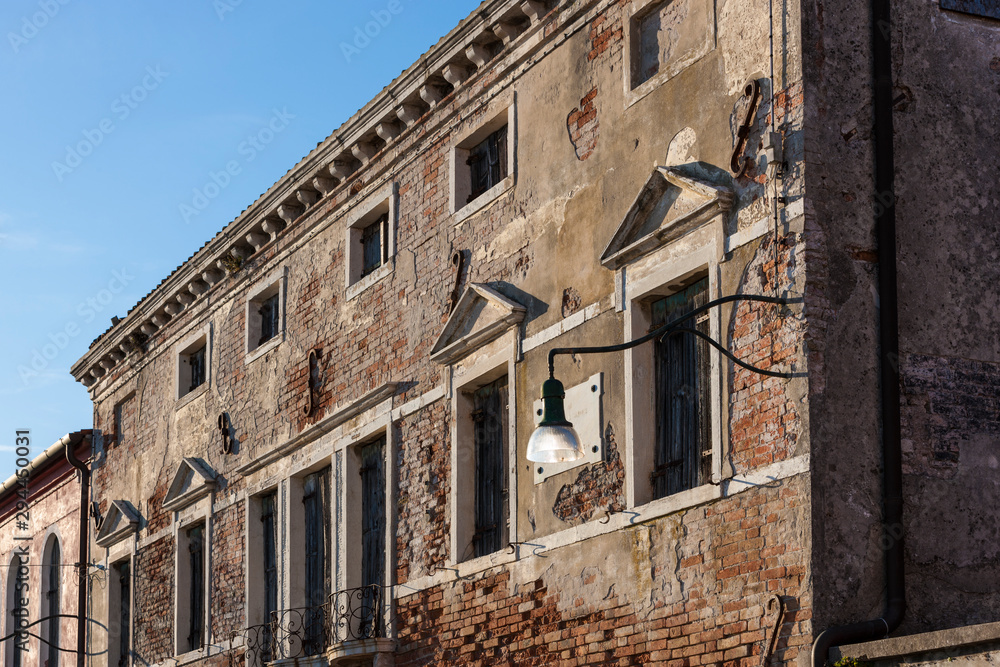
pixel 184 349
pixel 118 554
pixel 274 283
pixel 503 112
pixel 254 600
pixel 52 536
pixel 198 513
pixel 384 201
pixel 292 594
pixel 479 368
pixel 661 273
pixel 635 12
pixel 374 423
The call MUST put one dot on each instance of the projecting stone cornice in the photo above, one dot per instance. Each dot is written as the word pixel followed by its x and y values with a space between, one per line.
pixel 488 38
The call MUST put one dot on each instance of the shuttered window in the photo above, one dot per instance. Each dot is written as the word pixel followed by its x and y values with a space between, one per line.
pixel 196 553
pixel 51 649
pixel 488 162
pixel 197 361
pixel 373 245
pixel 490 419
pixel 316 502
pixel 269 313
pixel 372 533
pixel 683 388
pixel 124 573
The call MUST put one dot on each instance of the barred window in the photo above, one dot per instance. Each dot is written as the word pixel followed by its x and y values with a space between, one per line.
pixel 488 163
pixel 269 318
pixel 373 245
pixel 196 572
pixel 683 389
pixel 490 421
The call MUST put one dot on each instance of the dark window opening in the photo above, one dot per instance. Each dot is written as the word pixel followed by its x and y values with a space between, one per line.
pixel 269 526
pixel 17 613
pixel 372 533
pixel 488 163
pixel 316 502
pixel 52 607
pixel 196 552
pixel 374 245
pixel 119 436
pixel 268 319
pixel 683 390
pixel 197 361
pixel 490 420
pixel 125 613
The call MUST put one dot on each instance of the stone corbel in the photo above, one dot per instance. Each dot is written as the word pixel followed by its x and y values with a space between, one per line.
pixel 533 9
pixel 388 131
pixel 184 299
pixel 324 185
pixel 455 74
pixel 198 288
pixel 363 151
pixel 148 329
pixel 97 373
pixel 507 32
pixel 341 169
pixel 409 114
pixel 478 54
pixel 307 197
pixel 173 308
pixel 212 276
pixel 240 252
pixel 159 320
pixel 274 227
pixel 257 240
pixel 107 364
pixel 431 94
pixel 289 212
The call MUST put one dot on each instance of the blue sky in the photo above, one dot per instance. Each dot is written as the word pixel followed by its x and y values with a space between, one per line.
pixel 114 117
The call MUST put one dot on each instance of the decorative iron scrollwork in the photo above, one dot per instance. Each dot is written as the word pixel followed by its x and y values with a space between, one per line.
pixel 738 163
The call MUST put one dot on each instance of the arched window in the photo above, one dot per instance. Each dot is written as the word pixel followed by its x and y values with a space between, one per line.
pixel 13 651
pixel 51 585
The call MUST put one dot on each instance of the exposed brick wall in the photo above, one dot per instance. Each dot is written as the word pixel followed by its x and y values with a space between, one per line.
pixel 764 419
pixel 706 609
pixel 228 594
pixel 584 127
pixel 154 601
pixel 424 465
pixel 599 487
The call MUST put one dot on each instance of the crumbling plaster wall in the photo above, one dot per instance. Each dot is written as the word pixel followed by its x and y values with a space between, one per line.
pixel 945 141
pixel 533 243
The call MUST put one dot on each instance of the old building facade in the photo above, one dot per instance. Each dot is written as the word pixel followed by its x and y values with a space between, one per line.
pixel 40 521
pixel 313 433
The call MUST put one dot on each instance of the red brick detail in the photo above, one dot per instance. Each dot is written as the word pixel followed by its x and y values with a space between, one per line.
pixel 605 34
pixel 229 587
pixel 764 420
pixel 154 599
pixel 584 127
pixel 597 488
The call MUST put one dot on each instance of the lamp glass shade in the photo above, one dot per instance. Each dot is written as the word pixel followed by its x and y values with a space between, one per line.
pixel 554 444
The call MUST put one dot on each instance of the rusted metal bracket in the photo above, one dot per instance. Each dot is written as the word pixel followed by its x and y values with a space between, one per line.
pixel 312 368
pixel 227 442
pixel 457 261
pixel 774 615
pixel 738 163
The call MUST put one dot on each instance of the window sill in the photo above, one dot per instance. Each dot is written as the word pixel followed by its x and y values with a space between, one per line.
pixel 485 198
pixel 261 350
pixel 375 276
pixel 476 565
pixel 191 395
pixel 190 657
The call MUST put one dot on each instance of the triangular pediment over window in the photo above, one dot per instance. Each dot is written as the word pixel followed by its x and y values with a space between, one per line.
pixel 193 480
pixel 121 521
pixel 481 316
pixel 670 205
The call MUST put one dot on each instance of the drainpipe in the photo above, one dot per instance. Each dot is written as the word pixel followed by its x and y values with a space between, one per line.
pixel 70 442
pixel 885 224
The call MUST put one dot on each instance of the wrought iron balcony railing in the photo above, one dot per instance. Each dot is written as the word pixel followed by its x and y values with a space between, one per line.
pixel 350 615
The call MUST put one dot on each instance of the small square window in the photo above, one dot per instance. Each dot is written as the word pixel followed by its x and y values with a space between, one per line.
pixel 193 362
pixel 265 310
pixel 373 246
pixel 484 163
pixel 370 240
pixel 487 163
